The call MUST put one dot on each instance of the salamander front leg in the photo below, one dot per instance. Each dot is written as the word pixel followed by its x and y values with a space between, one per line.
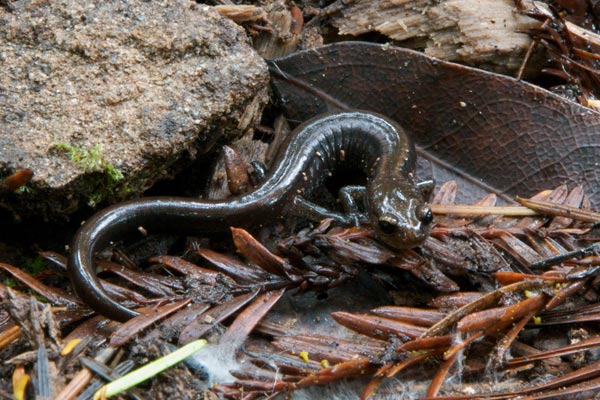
pixel 314 212
pixel 348 197
pixel 352 197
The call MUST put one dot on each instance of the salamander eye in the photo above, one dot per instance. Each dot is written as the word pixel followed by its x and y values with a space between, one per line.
pixel 388 224
pixel 425 215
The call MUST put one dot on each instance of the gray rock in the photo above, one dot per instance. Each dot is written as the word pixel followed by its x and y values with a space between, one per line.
pixel 101 100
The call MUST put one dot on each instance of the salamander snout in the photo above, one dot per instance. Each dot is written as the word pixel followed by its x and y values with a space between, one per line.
pixel 388 224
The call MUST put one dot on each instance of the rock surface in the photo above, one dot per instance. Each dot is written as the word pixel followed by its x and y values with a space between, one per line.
pixel 101 100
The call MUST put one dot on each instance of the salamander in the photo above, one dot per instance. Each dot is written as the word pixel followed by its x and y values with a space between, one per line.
pixel 394 204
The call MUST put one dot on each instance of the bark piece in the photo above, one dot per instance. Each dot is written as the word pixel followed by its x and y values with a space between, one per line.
pixel 489 33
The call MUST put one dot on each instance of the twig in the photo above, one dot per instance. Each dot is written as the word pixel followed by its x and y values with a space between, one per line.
pixel 468 210
pixel 562 210
pixel 585 252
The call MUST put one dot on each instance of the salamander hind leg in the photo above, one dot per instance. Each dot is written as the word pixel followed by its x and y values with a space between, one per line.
pixel 258 173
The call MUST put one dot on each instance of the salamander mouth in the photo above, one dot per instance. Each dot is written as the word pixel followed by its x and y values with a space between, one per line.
pixel 402 238
pixel 388 225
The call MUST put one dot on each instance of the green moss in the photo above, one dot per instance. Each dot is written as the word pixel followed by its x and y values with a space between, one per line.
pixel 92 161
pixel 34 265
pixel 10 282
pixel 25 190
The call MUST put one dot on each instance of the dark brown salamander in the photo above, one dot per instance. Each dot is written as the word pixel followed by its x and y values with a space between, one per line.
pixel 365 141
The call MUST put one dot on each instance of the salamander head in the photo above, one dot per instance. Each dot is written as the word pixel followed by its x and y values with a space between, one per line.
pixel 398 213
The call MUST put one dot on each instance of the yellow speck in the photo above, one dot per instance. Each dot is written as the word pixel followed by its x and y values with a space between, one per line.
pixel 537 320
pixel 593 104
pixel 529 294
pixel 20 379
pixel 462 104
pixel 69 347
pixel 100 394
pixel 304 355
pixel 325 363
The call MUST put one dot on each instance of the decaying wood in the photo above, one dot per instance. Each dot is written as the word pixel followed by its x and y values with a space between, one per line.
pixel 242 13
pixel 287 33
pixel 487 32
